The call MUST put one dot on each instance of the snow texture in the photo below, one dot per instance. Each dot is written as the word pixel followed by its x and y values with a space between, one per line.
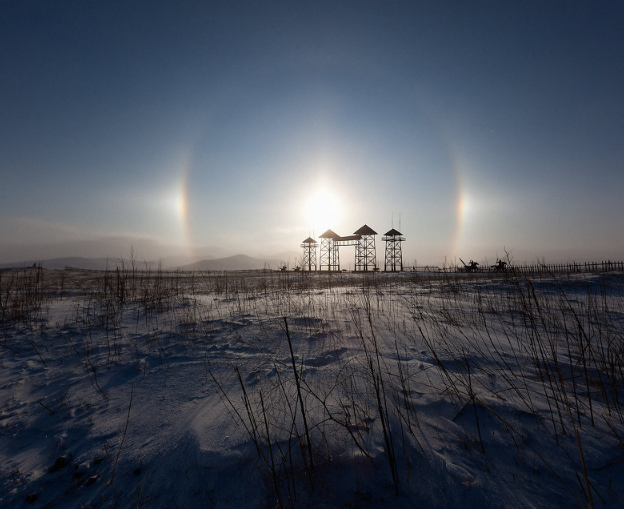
pixel 139 389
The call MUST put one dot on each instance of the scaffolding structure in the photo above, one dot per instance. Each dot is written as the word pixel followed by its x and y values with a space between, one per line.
pixel 394 255
pixel 365 253
pixel 330 256
pixel 309 254
pixel 351 240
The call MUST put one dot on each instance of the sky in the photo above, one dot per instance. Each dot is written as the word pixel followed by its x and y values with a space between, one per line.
pixel 201 129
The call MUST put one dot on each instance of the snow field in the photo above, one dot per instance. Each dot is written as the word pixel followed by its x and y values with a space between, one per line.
pixel 303 390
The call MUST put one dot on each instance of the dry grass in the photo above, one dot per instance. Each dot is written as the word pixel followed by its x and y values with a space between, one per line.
pixel 535 356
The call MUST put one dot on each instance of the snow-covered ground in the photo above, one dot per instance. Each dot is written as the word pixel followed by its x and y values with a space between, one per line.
pixel 128 389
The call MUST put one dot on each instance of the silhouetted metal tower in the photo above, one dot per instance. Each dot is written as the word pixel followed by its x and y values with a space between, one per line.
pixel 330 258
pixel 394 256
pixel 309 254
pixel 365 254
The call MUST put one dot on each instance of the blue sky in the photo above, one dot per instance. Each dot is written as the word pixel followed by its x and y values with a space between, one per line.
pixel 217 128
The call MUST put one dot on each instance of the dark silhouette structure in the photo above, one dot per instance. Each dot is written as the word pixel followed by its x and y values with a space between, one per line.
pixel 309 254
pixel 500 266
pixel 330 257
pixel 471 267
pixel 394 254
pixel 365 254
pixel 364 242
pixel 365 251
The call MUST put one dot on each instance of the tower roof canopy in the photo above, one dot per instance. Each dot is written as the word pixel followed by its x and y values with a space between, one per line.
pixel 393 233
pixel 329 235
pixel 365 230
pixel 309 240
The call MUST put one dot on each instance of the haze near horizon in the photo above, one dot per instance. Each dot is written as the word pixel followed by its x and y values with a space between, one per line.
pixel 245 127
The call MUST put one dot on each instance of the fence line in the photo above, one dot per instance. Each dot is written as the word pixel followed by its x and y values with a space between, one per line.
pixel 570 268
pixel 546 268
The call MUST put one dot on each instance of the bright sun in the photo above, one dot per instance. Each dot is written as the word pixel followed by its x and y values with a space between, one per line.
pixel 323 210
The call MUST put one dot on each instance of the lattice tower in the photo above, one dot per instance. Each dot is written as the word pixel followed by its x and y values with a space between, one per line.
pixel 365 253
pixel 309 254
pixel 394 255
pixel 330 256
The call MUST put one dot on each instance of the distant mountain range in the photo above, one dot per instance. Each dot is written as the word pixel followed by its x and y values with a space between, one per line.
pixel 237 262
pixel 74 262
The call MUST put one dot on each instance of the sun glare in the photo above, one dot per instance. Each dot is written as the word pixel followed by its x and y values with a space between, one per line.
pixel 323 210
